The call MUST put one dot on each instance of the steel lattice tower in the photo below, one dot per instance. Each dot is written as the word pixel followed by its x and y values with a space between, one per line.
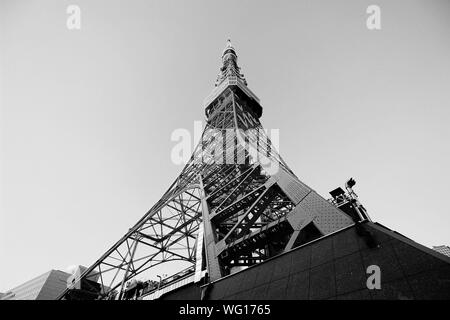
pixel 236 203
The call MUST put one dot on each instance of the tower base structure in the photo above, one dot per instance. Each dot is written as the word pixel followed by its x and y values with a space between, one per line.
pixel 337 266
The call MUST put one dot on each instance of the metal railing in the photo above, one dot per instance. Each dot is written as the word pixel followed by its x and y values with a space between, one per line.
pixel 171 283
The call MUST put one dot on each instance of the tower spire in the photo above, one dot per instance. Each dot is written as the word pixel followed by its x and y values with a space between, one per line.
pixel 230 68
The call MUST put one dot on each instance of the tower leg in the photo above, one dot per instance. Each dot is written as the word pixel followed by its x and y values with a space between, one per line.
pixel 120 295
pixel 213 265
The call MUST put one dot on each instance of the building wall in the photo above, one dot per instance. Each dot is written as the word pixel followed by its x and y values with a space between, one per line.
pixel 334 267
pixel 44 287
pixel 188 292
pixel 55 284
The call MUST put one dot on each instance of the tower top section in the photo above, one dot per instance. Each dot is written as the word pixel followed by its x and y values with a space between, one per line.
pixel 228 49
pixel 231 78
pixel 230 68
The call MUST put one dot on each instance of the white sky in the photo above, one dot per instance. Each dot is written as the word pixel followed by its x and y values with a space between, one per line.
pixel 86 116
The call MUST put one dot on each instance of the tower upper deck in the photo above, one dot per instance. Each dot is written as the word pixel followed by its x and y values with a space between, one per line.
pixel 230 77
